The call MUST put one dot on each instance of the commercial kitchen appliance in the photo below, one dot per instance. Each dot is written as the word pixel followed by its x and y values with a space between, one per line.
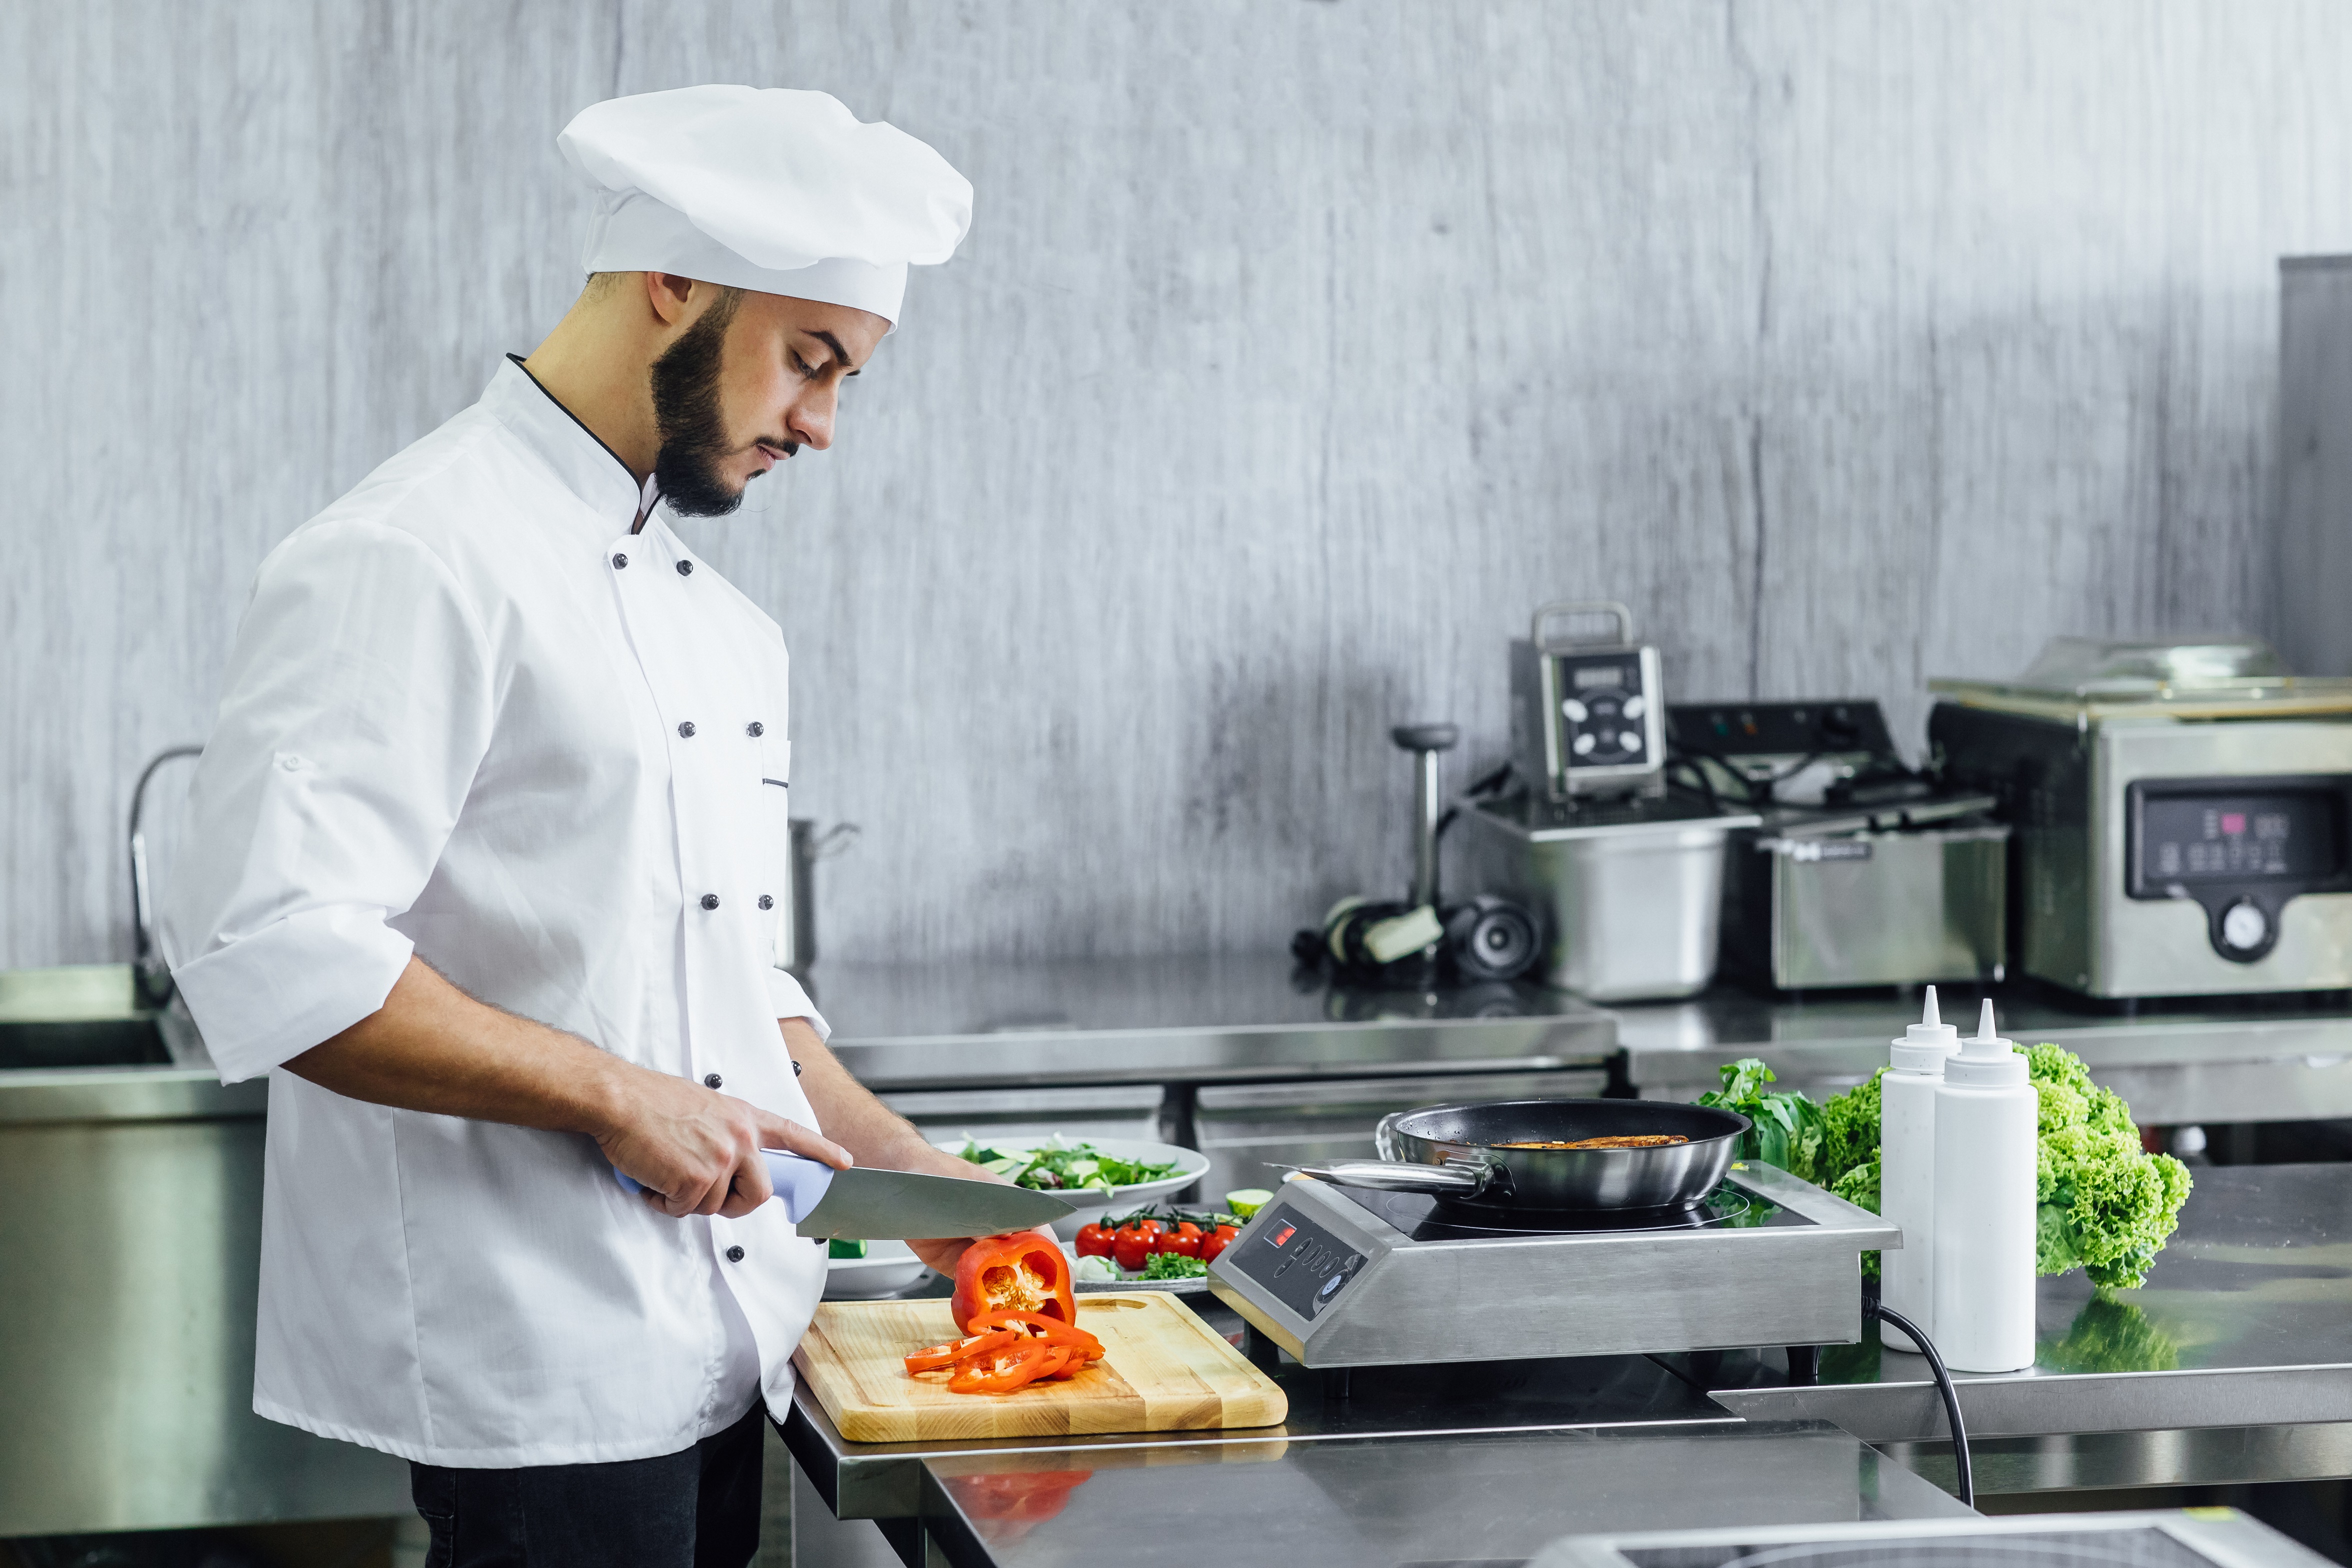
pixel 1346 1277
pixel 1861 872
pixel 1789 752
pixel 1630 892
pixel 1587 716
pixel 1625 879
pixel 2182 815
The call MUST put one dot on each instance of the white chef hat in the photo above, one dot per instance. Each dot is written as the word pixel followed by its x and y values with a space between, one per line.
pixel 772 189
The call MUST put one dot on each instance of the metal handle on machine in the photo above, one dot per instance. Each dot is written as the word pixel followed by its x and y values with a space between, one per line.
pixel 1397 1176
pixel 1580 607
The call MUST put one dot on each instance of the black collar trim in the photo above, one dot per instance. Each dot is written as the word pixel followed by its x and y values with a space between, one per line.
pixel 516 360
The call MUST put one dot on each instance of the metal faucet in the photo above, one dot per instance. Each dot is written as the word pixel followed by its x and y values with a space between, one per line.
pixel 150 972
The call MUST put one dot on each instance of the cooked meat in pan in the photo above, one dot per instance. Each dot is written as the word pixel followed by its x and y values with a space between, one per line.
pixel 1630 1141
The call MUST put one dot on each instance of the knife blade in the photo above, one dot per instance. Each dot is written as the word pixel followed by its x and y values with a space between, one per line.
pixel 869 1204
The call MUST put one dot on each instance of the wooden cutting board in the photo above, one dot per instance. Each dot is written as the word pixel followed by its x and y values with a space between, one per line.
pixel 1163 1370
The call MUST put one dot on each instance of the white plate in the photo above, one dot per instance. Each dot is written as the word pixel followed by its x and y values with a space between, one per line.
pixel 888 1267
pixel 1090 1205
pixel 1173 1287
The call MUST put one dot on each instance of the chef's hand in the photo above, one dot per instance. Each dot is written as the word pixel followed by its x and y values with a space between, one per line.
pixel 696 1150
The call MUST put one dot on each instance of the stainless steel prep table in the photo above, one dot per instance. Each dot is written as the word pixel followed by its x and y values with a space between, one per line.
pixel 1453 1499
pixel 2246 1059
pixel 1231 1018
pixel 2233 1364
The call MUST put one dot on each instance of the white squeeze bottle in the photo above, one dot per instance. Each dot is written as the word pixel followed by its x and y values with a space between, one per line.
pixel 1907 1188
pixel 1982 1232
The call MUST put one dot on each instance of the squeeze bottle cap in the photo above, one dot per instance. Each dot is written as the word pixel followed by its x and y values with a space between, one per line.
pixel 1926 1045
pixel 1986 1060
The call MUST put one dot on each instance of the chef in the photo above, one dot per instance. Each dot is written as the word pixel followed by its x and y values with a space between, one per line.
pixel 485 851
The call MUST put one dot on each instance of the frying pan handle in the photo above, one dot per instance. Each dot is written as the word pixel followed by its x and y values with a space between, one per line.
pixel 1397 1176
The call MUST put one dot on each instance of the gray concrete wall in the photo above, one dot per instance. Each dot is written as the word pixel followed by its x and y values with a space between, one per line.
pixel 1297 350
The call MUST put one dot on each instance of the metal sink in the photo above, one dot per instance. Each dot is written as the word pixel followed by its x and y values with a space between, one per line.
pixel 82 1016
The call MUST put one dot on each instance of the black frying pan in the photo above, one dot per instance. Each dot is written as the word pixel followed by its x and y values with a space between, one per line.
pixel 1453 1152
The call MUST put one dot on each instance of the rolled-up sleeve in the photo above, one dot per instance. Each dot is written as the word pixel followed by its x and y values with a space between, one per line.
pixel 792 1001
pixel 358 704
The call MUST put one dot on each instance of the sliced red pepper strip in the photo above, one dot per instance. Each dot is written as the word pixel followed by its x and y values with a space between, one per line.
pixel 1001 1372
pixel 1053 1330
pixel 932 1358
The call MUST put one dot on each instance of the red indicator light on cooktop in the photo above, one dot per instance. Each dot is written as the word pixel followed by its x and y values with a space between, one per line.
pixel 1285 1234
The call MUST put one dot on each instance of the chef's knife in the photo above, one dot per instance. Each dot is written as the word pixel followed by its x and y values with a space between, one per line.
pixel 869 1204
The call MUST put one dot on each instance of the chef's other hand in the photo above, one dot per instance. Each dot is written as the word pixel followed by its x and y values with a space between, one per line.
pixel 696 1150
pixel 940 1254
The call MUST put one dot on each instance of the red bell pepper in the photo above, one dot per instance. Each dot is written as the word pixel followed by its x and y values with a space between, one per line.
pixel 1022 1272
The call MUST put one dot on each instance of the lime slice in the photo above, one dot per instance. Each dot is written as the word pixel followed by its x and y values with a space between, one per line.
pixel 1247 1202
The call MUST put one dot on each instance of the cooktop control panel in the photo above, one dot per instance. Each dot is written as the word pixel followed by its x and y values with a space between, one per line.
pixel 1301 1263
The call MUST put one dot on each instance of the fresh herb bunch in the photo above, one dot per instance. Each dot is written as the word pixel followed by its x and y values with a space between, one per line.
pixel 1173 1266
pixel 1060 1166
pixel 1784 1130
pixel 1832 1146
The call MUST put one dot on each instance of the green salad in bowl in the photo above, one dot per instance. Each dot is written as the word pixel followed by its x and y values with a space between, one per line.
pixel 1093 1171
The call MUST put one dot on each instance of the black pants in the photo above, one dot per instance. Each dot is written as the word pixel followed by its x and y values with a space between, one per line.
pixel 698 1509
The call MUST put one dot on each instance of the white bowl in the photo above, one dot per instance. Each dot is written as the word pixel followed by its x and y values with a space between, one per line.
pixel 888 1267
pixel 1090 1204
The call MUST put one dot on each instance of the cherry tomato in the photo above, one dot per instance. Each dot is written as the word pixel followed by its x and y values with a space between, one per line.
pixel 1185 1240
pixel 1094 1241
pixel 1217 1240
pixel 1133 1243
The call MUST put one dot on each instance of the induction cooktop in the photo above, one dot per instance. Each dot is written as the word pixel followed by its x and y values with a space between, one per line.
pixel 1351 1276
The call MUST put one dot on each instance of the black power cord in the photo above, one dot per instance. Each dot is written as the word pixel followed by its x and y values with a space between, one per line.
pixel 1872 1307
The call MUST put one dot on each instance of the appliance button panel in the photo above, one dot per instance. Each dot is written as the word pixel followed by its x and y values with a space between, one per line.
pixel 1303 1265
pixel 1603 704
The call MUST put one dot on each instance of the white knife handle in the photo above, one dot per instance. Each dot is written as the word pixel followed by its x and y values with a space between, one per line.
pixel 800 1182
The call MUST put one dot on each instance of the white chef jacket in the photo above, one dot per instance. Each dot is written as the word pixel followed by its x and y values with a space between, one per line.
pixel 470 715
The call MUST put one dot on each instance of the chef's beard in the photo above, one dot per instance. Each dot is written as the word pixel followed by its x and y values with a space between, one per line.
pixel 687 415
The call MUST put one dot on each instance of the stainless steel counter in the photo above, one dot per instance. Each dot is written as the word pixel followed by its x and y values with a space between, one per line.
pixel 2250 1059
pixel 2245 1322
pixel 882 1480
pixel 129 1237
pixel 1235 1018
pixel 2234 1363
pixel 1449 1499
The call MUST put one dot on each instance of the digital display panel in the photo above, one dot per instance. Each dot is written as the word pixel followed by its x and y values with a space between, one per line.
pixel 1597 676
pixel 2287 836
